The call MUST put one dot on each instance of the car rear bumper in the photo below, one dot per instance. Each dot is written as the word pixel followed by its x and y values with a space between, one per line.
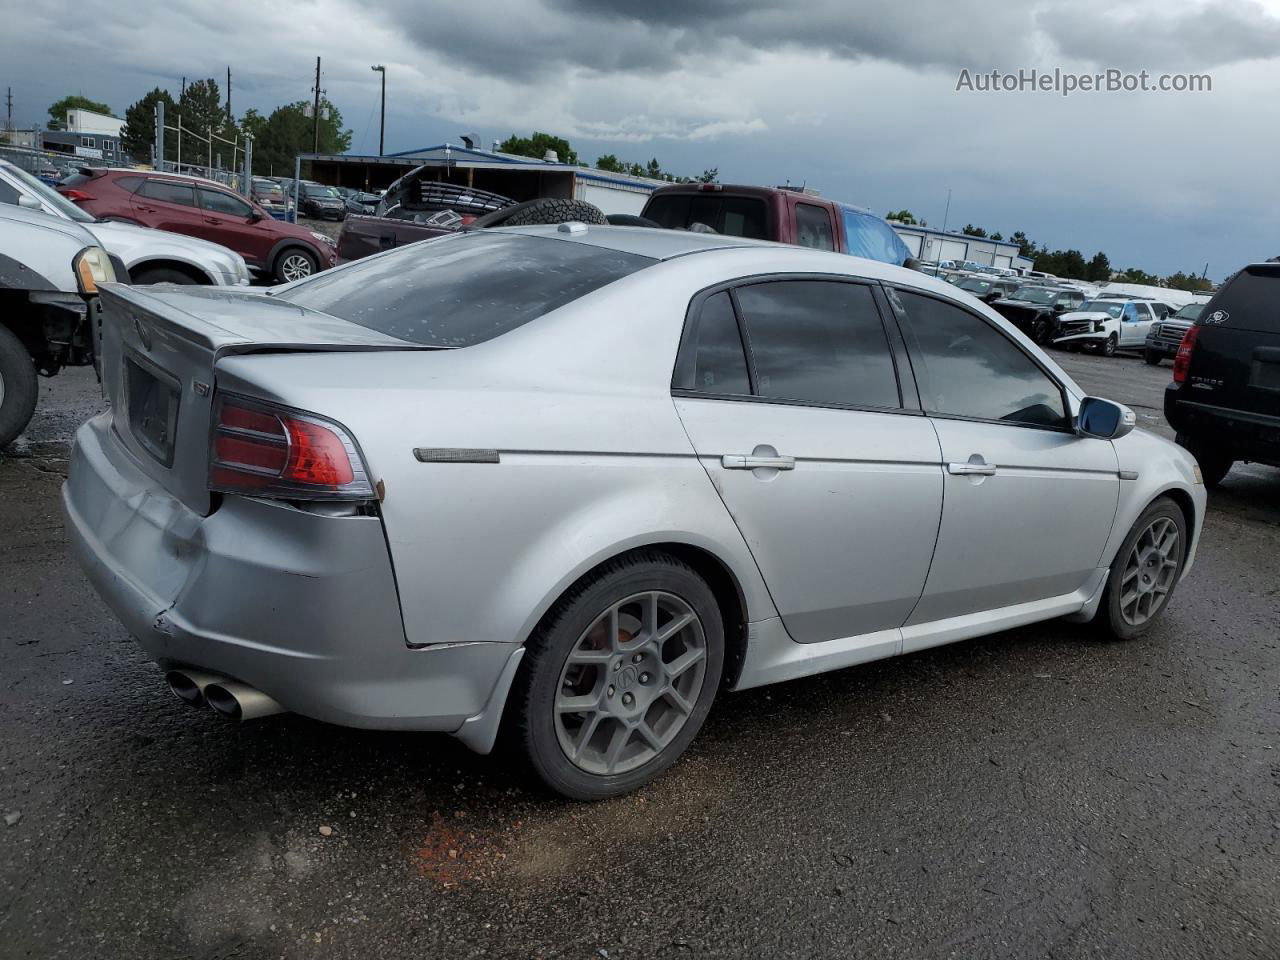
pixel 300 606
pixel 1241 433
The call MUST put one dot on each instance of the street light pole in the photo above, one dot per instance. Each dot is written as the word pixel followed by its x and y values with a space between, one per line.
pixel 382 122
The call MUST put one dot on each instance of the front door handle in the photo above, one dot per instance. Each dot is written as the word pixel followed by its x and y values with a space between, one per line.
pixel 975 467
pixel 738 461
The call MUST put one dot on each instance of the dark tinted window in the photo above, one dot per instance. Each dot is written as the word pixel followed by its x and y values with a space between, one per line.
pixel 8 194
pixel 813 227
pixel 965 367
pixel 820 341
pixel 730 215
pixel 216 201
pixel 128 184
pixel 720 366
pixel 169 192
pixel 462 290
pixel 1250 300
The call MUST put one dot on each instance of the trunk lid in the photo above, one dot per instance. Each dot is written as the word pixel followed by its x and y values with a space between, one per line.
pixel 1236 362
pixel 160 348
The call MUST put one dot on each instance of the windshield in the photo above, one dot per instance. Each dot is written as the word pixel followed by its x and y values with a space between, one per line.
pixel 1190 312
pixel 974 285
pixel 1111 309
pixel 463 289
pixel 1035 294
pixel 320 192
pixel 49 195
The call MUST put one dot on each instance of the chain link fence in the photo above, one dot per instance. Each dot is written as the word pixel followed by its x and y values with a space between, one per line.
pixel 47 164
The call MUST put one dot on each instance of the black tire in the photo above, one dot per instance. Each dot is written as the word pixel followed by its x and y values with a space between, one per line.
pixel 19 387
pixel 1040 331
pixel 285 258
pixel 1113 620
pixel 161 275
pixel 1108 349
pixel 533 699
pixel 1215 463
pixel 542 210
pixel 631 220
pixel 1152 357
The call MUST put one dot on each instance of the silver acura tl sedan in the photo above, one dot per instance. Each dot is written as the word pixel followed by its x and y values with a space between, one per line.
pixel 568 483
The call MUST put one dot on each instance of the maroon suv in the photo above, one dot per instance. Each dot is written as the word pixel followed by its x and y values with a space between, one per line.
pixel 204 209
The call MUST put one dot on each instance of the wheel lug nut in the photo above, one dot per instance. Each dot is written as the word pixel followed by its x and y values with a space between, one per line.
pixel 628 699
pixel 637 658
pixel 617 666
pixel 611 690
pixel 644 678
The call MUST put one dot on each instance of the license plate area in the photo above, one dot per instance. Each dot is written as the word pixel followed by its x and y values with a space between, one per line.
pixel 151 399
pixel 1265 375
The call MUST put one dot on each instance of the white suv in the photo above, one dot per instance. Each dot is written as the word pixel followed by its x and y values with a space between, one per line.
pixel 148 255
pixel 1106 325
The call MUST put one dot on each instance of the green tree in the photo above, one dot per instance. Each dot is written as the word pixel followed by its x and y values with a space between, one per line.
pixel 288 131
pixel 902 216
pixel 610 164
pixel 1187 281
pixel 538 145
pixel 997 236
pixel 1099 269
pixel 710 175
pixel 58 110
pixel 1026 248
pixel 654 169
pixel 971 231
pixel 1062 263
pixel 139 131
pixel 1134 275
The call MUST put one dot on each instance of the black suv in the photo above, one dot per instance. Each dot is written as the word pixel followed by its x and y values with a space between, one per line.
pixel 1225 397
pixel 1034 309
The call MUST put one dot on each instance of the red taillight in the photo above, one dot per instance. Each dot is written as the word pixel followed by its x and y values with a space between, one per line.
pixel 272 452
pixel 1182 359
pixel 75 195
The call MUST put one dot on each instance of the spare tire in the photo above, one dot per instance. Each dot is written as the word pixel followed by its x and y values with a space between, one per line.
pixel 631 220
pixel 542 210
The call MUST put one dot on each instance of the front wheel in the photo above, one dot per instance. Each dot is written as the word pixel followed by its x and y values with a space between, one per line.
pixel 1146 570
pixel 1040 332
pixel 1109 348
pixel 295 264
pixel 18 386
pixel 619 677
pixel 1152 357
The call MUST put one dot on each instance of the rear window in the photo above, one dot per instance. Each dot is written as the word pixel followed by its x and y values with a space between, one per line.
pixel 462 290
pixel 1250 301
pixel 729 215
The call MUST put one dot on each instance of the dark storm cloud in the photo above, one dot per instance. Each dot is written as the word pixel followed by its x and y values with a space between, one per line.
pixel 522 40
pixel 1210 36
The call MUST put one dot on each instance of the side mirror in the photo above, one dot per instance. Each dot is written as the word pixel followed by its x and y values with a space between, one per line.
pixel 1104 419
pixel 29 202
pixel 911 263
pixel 255 217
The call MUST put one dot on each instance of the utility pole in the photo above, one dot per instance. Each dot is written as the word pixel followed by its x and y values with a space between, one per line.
pixel 382 123
pixel 8 118
pixel 228 94
pixel 947 214
pixel 315 117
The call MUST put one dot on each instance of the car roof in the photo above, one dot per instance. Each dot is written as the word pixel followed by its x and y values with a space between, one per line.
pixel 165 175
pixel 655 242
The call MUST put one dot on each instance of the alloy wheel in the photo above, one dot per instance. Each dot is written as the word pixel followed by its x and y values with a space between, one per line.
pixel 1150 571
pixel 294 267
pixel 630 683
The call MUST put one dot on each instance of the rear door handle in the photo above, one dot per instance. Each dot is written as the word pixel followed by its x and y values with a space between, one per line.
pixel 737 461
pixel 213 220
pixel 975 467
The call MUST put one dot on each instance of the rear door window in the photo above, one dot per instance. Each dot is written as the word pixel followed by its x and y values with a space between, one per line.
pixel 167 191
pixel 818 341
pixel 215 201
pixel 813 227
pixel 465 289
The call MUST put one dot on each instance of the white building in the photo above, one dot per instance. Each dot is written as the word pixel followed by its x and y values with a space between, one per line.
pixel 926 243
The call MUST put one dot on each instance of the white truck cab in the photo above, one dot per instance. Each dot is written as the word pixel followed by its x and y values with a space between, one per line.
pixel 1108 324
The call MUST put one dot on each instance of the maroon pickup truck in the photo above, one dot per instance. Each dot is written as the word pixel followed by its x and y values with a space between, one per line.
pixel 781 214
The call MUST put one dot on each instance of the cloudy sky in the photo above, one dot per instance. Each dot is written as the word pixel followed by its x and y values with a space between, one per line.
pixel 855 98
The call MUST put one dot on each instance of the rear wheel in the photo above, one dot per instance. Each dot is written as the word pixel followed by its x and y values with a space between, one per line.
pixel 1215 463
pixel 1152 357
pixel 295 264
pixel 18 387
pixel 1146 570
pixel 619 677
pixel 161 275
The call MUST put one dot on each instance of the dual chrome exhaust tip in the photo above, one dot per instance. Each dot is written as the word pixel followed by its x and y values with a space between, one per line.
pixel 228 698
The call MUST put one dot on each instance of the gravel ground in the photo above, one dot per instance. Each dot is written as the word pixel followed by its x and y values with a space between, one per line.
pixel 1033 794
